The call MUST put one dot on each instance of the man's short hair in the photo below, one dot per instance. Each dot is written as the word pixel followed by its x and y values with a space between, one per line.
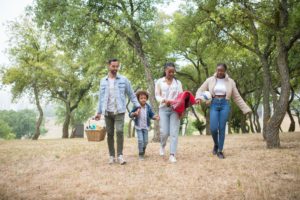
pixel 141 92
pixel 113 60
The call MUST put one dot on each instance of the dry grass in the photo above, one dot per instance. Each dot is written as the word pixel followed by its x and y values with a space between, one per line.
pixel 77 169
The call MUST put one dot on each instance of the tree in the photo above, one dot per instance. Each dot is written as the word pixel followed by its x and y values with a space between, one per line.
pixel 31 53
pixel 74 79
pixel 5 130
pixel 129 20
pixel 21 123
pixel 262 27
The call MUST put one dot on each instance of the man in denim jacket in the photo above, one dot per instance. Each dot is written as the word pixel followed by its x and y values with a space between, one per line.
pixel 112 104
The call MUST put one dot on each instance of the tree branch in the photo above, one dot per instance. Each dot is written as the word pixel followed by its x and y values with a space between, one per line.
pixel 294 38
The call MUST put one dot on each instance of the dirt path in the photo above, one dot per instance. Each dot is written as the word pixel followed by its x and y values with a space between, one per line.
pixel 77 169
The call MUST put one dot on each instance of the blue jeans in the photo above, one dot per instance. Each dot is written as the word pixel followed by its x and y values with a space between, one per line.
pixel 142 140
pixel 219 111
pixel 169 126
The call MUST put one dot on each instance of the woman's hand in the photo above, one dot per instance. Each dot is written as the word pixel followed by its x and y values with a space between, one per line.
pixel 198 101
pixel 156 117
pixel 207 103
pixel 167 102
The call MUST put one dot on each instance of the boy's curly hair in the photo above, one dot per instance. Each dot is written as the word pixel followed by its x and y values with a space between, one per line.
pixel 141 92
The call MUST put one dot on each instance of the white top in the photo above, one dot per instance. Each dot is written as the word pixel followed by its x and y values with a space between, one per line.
pixel 142 119
pixel 220 88
pixel 164 91
pixel 111 104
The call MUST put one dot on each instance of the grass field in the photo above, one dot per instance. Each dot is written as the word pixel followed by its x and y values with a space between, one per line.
pixel 77 169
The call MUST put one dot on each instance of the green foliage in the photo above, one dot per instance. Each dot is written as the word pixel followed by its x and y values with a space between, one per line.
pixel 199 125
pixel 6 131
pixel 18 124
pixel 84 111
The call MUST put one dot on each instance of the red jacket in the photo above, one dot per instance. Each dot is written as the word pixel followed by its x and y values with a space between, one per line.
pixel 182 102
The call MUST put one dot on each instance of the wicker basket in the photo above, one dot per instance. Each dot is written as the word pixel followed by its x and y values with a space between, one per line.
pixel 96 135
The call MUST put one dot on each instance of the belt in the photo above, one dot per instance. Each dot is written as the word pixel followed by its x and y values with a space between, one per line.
pixel 219 96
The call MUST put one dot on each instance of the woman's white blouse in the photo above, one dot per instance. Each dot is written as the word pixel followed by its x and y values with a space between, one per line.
pixel 163 91
pixel 220 88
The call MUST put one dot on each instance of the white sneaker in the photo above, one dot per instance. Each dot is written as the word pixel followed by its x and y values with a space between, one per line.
pixel 121 160
pixel 172 159
pixel 162 151
pixel 111 160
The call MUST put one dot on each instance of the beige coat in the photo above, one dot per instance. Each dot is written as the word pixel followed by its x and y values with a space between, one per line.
pixel 231 90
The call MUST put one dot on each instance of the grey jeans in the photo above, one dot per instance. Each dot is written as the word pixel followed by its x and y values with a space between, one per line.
pixel 115 120
pixel 169 126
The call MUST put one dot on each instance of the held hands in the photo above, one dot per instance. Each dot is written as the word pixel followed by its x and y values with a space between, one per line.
pixel 156 117
pixel 136 113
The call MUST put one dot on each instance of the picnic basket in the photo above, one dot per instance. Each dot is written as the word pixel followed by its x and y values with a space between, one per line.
pixel 96 134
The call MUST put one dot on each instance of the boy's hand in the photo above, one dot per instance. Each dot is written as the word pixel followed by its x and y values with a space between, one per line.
pixel 156 117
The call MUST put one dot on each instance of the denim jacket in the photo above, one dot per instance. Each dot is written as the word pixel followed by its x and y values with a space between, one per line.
pixel 122 87
pixel 150 115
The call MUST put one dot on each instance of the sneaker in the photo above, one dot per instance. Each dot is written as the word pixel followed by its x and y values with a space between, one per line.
pixel 121 160
pixel 111 160
pixel 172 159
pixel 220 155
pixel 215 150
pixel 141 157
pixel 162 151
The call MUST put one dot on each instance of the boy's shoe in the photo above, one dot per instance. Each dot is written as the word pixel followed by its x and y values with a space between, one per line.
pixel 121 160
pixel 215 150
pixel 172 159
pixel 162 151
pixel 111 160
pixel 141 157
pixel 220 155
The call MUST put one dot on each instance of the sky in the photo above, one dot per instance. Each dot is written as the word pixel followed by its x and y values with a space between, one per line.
pixel 11 10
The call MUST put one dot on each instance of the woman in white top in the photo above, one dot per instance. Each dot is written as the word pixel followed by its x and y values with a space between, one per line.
pixel 167 89
pixel 222 89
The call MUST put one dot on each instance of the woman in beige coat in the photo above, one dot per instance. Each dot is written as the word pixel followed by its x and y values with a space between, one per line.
pixel 222 88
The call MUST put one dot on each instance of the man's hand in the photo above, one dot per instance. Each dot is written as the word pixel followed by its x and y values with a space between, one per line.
pixel 138 111
pixel 156 117
pixel 98 117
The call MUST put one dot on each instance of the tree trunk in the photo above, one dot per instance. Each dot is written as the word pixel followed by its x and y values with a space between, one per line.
pixel 41 114
pixel 293 124
pixel 67 121
pixel 257 123
pixel 129 128
pixel 244 127
pixel 266 93
pixel 151 87
pixel 133 131
pixel 273 126
pixel 251 123
pixel 73 133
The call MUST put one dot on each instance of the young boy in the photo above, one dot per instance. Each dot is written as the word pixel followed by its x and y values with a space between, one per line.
pixel 142 121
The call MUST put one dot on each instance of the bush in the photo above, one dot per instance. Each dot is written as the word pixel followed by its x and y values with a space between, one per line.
pixel 199 125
